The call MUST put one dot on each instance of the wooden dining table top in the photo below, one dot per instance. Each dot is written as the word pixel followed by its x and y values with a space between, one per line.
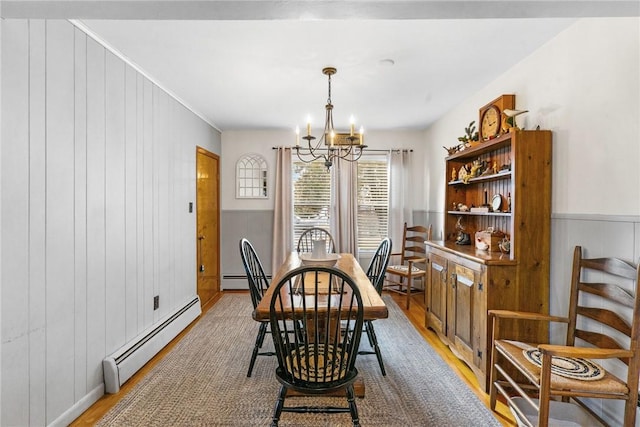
pixel 373 305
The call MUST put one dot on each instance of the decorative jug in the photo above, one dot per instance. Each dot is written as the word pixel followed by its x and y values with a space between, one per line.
pixel 319 248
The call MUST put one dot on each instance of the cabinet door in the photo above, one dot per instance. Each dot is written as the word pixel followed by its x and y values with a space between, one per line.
pixel 436 315
pixel 462 311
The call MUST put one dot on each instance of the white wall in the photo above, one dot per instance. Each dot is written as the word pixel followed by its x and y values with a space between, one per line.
pixel 1 21
pixel 584 85
pixel 97 170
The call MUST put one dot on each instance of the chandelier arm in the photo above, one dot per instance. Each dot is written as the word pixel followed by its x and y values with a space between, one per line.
pixel 357 158
pixel 317 145
pixel 345 155
pixel 313 159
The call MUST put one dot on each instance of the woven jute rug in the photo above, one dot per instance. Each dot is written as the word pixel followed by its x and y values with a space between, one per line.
pixel 202 381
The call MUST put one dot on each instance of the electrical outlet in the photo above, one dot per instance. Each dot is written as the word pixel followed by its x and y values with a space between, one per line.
pixel 156 302
pixel 190 207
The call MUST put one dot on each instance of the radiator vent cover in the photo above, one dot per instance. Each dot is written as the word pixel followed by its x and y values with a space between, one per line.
pixel 128 359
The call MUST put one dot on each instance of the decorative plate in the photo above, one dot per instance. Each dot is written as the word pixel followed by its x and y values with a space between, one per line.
pixel 496 202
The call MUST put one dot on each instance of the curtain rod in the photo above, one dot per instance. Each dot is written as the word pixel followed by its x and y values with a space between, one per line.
pixel 410 150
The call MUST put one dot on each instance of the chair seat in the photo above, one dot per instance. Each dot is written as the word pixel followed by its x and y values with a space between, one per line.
pixel 513 350
pixel 404 269
pixel 319 365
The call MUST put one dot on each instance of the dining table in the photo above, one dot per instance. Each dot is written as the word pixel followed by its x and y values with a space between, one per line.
pixel 373 304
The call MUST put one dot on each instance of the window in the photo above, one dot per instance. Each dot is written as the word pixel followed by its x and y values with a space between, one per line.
pixel 373 202
pixel 312 198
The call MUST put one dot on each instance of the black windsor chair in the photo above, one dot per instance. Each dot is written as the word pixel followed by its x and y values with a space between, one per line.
pixel 258 285
pixel 376 273
pixel 316 357
pixel 305 242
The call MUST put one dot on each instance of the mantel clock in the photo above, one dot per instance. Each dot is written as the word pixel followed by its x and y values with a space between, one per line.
pixel 491 116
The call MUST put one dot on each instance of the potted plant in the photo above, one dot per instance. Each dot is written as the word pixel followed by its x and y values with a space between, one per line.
pixel 470 135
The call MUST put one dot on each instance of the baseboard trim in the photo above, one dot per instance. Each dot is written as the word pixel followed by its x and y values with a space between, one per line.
pixel 68 416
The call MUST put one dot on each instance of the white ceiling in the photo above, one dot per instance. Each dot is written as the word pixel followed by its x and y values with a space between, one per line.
pixel 257 64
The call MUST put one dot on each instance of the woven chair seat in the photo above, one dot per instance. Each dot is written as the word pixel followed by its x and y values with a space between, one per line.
pixel 512 350
pixel 318 365
pixel 405 269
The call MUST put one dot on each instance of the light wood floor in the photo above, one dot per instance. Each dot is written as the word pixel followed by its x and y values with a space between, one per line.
pixel 415 314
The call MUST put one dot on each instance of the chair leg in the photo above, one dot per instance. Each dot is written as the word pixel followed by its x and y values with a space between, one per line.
pixel 367 329
pixel 279 405
pixel 373 339
pixel 352 406
pixel 259 340
pixel 493 377
pixel 545 395
pixel 408 292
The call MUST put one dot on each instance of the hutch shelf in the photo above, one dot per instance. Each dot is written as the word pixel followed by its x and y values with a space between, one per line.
pixel 514 197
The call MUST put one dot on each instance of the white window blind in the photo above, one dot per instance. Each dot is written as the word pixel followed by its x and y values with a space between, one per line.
pixel 311 197
pixel 373 202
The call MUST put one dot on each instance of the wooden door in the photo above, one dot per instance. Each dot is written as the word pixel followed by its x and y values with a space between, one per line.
pixel 208 224
pixel 437 294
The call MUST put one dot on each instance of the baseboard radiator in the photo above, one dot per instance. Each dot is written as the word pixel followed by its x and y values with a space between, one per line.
pixel 128 359
pixel 235 281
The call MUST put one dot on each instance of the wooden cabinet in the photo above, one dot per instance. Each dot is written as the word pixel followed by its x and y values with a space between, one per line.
pixel 464 282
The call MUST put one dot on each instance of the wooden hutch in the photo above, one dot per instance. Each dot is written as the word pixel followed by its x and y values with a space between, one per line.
pixel 513 195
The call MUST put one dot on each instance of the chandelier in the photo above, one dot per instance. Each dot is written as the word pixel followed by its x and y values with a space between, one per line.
pixel 347 146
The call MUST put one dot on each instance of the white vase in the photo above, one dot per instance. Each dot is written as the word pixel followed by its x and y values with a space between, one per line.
pixel 319 248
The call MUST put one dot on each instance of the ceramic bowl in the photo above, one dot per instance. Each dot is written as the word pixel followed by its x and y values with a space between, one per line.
pixel 328 260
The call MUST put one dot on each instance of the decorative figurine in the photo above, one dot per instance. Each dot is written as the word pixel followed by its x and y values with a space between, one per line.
pixel 462 238
pixel 463 174
pixel 453 150
pixel 453 174
pixel 509 124
pixel 505 245
pixel 475 168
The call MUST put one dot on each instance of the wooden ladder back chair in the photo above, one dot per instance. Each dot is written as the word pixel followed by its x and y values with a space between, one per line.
pixel 603 323
pixel 258 285
pixel 413 256
pixel 316 316
pixel 305 242
pixel 375 272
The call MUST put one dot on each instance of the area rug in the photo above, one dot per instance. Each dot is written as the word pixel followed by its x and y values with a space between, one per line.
pixel 202 381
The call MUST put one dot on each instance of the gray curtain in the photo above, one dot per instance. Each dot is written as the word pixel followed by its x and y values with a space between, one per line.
pixel 344 206
pixel 283 209
pixel 400 201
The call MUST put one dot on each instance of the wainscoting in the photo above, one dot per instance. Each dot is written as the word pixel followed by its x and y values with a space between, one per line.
pixel 257 226
pixel 599 235
pixel 98 169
